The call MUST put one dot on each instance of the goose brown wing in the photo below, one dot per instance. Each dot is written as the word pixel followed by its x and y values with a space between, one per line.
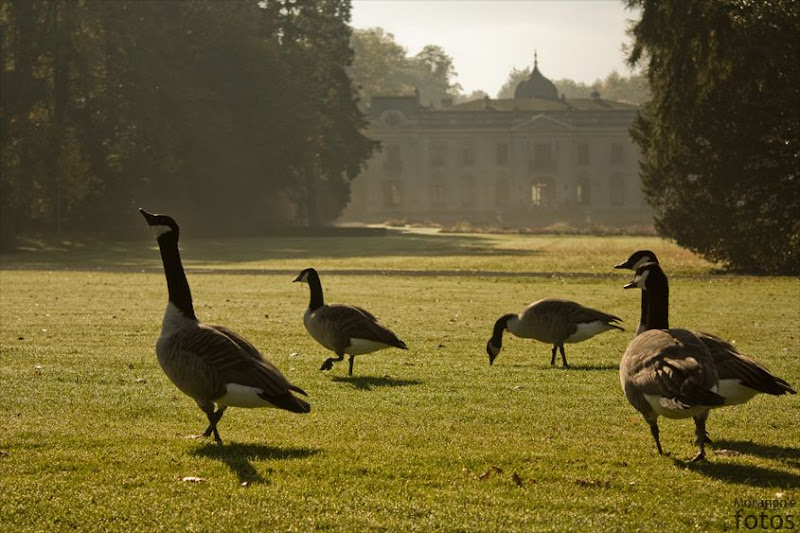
pixel 224 360
pixel 673 364
pixel 352 322
pixel 733 365
pixel 251 351
pixel 580 314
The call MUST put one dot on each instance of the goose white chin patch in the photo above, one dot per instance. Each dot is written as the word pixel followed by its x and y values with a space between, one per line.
pixel 640 262
pixel 160 230
pixel 242 396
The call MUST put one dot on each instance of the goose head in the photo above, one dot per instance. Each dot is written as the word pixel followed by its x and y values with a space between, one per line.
pixel 637 259
pixel 306 275
pixel 495 344
pixel 163 226
pixel 647 276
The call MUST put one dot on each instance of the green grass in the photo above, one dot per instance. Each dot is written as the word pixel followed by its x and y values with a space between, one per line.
pixel 94 437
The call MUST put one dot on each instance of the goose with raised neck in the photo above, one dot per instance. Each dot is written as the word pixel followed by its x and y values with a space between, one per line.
pixel 667 372
pixel 212 364
pixel 740 377
pixel 342 328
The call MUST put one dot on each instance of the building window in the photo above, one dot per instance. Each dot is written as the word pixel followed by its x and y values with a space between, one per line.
pixel 438 155
pixel 542 157
pixel 617 154
pixel 468 196
pixel 392 193
pixel 616 189
pixel 502 190
pixel 468 156
pixel 393 160
pixel 542 192
pixel 501 154
pixel 583 154
pixel 438 193
pixel 583 191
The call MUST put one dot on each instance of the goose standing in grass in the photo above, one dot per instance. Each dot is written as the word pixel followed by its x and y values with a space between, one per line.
pixel 667 372
pixel 341 328
pixel 211 364
pixel 552 321
pixel 740 377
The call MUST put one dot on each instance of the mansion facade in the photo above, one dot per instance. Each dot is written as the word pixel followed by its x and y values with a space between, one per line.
pixel 530 161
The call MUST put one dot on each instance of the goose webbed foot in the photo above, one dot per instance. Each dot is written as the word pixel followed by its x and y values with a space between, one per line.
pixel 328 364
pixel 213 418
pixel 701 456
pixel 563 356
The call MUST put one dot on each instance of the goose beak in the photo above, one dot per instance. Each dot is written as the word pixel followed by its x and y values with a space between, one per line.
pixel 492 351
pixel 631 284
pixel 624 264
pixel 298 279
pixel 147 216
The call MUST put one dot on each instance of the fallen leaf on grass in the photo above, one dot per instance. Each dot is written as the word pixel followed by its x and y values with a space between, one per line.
pixel 593 482
pixel 516 478
pixel 492 470
pixel 193 479
pixel 727 453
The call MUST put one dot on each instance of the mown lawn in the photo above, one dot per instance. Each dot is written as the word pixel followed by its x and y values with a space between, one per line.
pixel 94 437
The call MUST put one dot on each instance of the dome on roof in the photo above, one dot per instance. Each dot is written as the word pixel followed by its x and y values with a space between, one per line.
pixel 536 86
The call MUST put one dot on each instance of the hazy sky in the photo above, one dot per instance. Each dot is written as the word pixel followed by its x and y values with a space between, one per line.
pixel 577 39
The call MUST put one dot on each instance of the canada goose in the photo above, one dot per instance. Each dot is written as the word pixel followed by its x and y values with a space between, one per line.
pixel 209 363
pixel 740 377
pixel 342 328
pixel 552 321
pixel 667 372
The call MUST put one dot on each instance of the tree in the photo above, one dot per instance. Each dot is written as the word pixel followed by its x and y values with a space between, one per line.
pixel 197 106
pixel 383 67
pixel 721 136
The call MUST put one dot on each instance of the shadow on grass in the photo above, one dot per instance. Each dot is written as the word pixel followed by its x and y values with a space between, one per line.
pixel 143 253
pixel 592 367
pixel 770 451
pixel 754 476
pixel 239 457
pixel 367 382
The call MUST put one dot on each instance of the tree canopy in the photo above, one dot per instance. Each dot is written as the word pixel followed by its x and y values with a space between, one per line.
pixel 721 136
pixel 383 67
pixel 207 109
pixel 633 89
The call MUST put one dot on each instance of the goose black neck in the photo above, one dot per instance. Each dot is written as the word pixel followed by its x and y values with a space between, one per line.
pixel 644 308
pixel 499 327
pixel 177 285
pixel 655 315
pixel 317 300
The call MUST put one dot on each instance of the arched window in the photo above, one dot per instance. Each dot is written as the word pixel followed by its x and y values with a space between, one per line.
pixel 583 191
pixel 543 192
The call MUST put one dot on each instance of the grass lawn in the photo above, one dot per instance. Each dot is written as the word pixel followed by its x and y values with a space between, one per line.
pixel 94 436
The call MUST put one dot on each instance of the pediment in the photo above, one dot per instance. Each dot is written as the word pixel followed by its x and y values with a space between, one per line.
pixel 542 123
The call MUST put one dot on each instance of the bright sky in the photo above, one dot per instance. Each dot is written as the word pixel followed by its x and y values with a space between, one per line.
pixel 577 39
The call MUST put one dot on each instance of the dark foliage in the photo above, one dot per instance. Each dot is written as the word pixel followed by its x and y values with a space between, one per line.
pixel 721 135
pixel 234 116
